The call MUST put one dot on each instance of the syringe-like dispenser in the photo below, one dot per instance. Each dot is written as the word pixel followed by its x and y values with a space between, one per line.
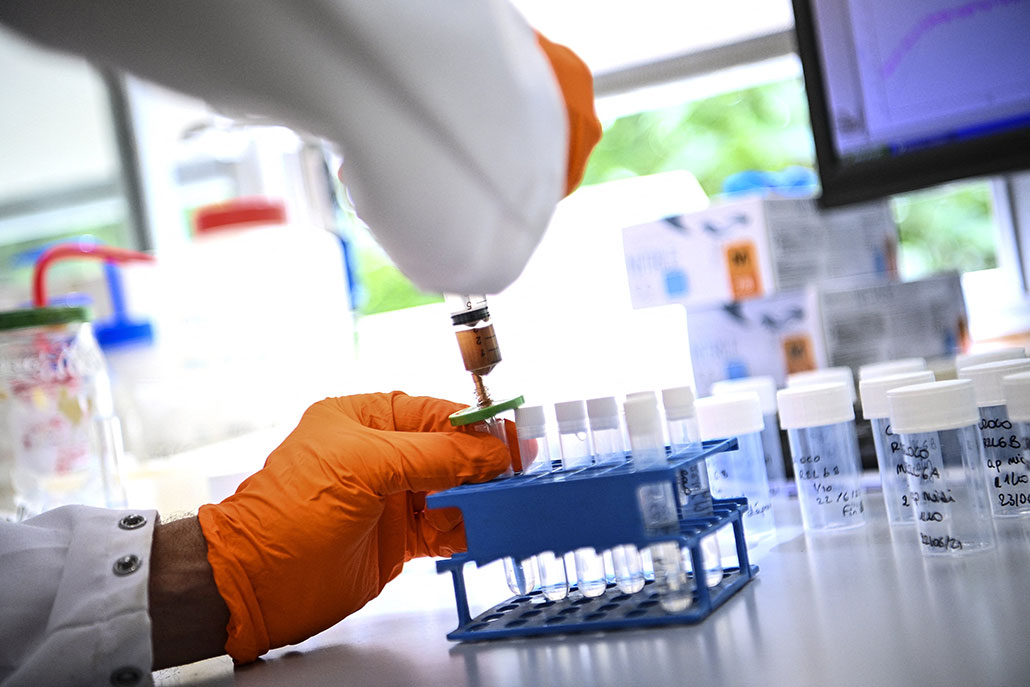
pixel 477 342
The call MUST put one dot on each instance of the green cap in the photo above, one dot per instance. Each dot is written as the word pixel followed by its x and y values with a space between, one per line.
pixel 474 414
pixel 42 317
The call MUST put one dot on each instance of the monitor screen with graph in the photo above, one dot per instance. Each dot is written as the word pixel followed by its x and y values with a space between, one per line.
pixel 904 94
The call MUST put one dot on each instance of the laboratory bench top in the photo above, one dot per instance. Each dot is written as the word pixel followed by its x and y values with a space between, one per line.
pixel 857 607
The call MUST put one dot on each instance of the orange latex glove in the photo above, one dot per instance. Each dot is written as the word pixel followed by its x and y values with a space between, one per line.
pixel 335 513
pixel 577 87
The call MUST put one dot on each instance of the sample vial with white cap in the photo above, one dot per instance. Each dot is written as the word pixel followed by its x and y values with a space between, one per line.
pixel 681 424
pixel 889 456
pixel 939 428
pixel 890 367
pixel 741 472
pixel 606 431
pixel 765 387
pixel 1002 446
pixel 1016 471
pixel 623 564
pixel 574 441
pixel 820 424
pixel 531 428
pixel 963 360
pixel 658 503
pixel 826 375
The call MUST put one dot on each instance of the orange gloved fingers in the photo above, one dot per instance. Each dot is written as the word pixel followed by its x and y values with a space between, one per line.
pixel 577 86
pixel 334 514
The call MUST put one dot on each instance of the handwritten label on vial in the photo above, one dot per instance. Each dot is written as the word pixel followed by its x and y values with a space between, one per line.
pixel 1006 464
pixel 842 495
pixel 922 464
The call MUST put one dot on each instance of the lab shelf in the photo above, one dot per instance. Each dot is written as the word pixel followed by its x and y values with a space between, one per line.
pixel 596 507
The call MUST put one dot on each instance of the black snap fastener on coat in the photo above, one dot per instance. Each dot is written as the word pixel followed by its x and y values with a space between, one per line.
pixel 132 522
pixel 127 565
pixel 126 676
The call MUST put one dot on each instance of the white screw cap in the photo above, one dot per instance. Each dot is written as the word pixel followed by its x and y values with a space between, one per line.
pixel 891 367
pixel 729 415
pixel 678 402
pixel 603 413
pixel 933 407
pixel 765 387
pixel 986 378
pixel 969 359
pixel 642 418
pixel 572 416
pixel 1017 396
pixel 530 422
pixel 874 391
pixel 814 405
pixel 829 375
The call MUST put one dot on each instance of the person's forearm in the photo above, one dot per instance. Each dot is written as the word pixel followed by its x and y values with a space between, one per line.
pixel 188 616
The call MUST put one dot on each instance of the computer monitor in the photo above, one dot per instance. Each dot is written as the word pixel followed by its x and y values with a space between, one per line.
pixel 905 94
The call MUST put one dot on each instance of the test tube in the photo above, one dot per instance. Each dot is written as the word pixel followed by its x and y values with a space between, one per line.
pixel 658 504
pixel 531 427
pixel 610 449
pixel 696 494
pixel 885 368
pixel 741 472
pixel 1016 471
pixel 772 448
pixel 889 455
pixel 574 441
pixel 939 428
pixel 1010 496
pixel 820 424
pixel 606 431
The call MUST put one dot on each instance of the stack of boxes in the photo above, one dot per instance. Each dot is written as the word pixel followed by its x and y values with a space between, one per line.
pixel 774 286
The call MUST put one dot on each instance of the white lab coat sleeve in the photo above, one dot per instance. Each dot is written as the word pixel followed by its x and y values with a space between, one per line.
pixel 74 598
pixel 449 116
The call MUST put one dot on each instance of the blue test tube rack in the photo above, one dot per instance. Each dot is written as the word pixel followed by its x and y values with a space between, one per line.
pixel 595 506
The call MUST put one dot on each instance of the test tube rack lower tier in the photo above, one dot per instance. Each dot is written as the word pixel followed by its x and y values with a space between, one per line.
pixel 594 507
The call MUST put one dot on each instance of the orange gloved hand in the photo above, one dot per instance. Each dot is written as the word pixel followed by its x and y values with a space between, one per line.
pixel 336 511
pixel 577 87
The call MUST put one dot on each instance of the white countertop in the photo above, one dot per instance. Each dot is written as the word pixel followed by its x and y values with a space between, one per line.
pixel 860 607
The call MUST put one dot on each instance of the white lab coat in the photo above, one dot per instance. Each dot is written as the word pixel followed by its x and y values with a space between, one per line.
pixel 455 143
pixel 73 599
pixel 450 119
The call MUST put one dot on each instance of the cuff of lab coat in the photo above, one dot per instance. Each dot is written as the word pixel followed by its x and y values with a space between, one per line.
pixel 98 631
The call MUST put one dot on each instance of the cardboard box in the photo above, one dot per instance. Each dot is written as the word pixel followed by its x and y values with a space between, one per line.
pixel 925 318
pixel 752 247
pixel 775 335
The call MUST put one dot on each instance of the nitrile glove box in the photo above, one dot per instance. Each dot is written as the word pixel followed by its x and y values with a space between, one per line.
pixel 750 247
pixel 773 335
pixel 925 318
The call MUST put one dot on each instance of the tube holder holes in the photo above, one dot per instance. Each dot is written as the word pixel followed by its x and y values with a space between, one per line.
pixel 530 614
pixel 595 616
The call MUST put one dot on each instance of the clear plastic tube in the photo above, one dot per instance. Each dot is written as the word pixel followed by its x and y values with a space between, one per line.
pixel 554 579
pixel 696 493
pixel 574 442
pixel 623 564
pixel 521 575
pixel 657 504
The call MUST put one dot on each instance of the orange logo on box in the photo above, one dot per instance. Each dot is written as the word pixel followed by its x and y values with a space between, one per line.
pixel 742 265
pixel 797 351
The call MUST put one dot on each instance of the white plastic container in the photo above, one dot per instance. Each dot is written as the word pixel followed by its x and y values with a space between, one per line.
pixel 531 429
pixel 1010 495
pixel 606 431
pixel 963 360
pixel 820 423
pixel 1016 471
pixel 938 423
pixel 889 455
pixel 740 472
pixel 772 447
pixel 828 375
